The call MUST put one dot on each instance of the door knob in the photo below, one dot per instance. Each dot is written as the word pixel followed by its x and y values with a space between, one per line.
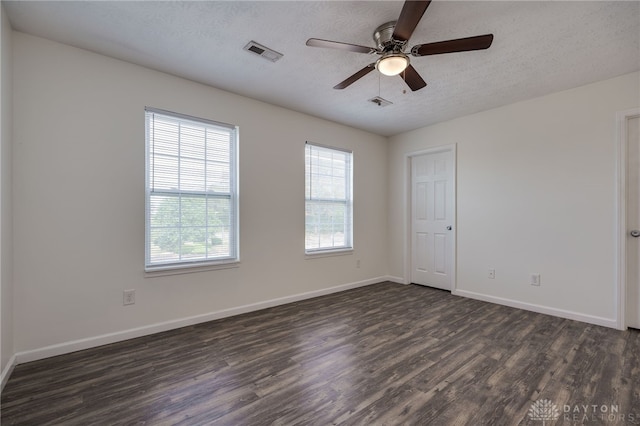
pixel 449 229
pixel 635 233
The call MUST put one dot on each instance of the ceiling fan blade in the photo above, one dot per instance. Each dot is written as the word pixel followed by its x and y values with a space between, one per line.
pixel 412 78
pixel 449 46
pixel 410 15
pixel 316 42
pixel 357 76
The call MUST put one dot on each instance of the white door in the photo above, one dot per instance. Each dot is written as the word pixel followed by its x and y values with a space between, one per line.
pixel 432 219
pixel 633 222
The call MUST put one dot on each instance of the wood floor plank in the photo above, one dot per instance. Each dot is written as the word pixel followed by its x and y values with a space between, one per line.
pixel 385 354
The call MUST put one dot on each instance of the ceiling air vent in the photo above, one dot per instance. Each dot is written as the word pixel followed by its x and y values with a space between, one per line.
pixel 381 102
pixel 265 52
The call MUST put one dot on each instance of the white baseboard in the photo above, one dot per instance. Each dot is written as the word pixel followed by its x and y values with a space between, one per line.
pixel 591 319
pixel 91 342
pixel 6 371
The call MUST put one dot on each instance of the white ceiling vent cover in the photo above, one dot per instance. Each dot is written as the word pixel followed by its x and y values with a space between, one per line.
pixel 381 102
pixel 265 52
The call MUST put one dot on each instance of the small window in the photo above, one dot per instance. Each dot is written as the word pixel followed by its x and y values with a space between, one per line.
pixel 328 199
pixel 191 191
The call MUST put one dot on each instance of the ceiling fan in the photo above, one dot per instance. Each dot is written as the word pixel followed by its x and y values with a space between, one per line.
pixel 391 39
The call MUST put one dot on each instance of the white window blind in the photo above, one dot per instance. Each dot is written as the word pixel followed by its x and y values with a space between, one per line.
pixel 328 199
pixel 191 191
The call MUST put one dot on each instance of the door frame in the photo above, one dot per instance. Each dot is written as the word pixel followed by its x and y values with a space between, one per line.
pixel 453 148
pixel 621 212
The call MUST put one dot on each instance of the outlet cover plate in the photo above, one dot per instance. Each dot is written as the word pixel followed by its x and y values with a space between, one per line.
pixel 534 279
pixel 128 297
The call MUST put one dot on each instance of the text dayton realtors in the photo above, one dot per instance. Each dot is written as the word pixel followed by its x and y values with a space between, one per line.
pixel 594 412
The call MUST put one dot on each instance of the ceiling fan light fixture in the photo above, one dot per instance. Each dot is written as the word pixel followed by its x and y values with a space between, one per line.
pixel 392 63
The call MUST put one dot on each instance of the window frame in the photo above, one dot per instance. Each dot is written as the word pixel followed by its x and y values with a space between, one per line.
pixel 195 265
pixel 348 247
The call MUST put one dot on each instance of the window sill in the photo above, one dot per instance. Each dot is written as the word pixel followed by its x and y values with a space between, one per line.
pixel 327 253
pixel 188 269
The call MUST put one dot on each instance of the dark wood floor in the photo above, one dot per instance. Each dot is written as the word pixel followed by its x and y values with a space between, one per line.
pixel 385 354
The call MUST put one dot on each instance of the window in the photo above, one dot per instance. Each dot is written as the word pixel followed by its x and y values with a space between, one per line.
pixel 191 191
pixel 328 199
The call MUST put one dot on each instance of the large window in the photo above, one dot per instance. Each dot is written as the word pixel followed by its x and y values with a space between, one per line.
pixel 328 199
pixel 191 191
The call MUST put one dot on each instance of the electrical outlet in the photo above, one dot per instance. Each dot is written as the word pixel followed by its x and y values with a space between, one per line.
pixel 491 274
pixel 534 279
pixel 128 297
pixel 358 263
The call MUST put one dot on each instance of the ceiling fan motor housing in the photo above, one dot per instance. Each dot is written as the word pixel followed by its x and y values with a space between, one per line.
pixel 383 36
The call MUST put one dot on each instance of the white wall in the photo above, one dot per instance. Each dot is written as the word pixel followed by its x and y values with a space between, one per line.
pixel 79 198
pixel 536 194
pixel 6 231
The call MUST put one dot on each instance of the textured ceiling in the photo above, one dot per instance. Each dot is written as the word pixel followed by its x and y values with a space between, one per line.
pixel 539 48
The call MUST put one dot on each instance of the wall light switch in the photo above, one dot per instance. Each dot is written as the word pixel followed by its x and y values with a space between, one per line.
pixel 491 274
